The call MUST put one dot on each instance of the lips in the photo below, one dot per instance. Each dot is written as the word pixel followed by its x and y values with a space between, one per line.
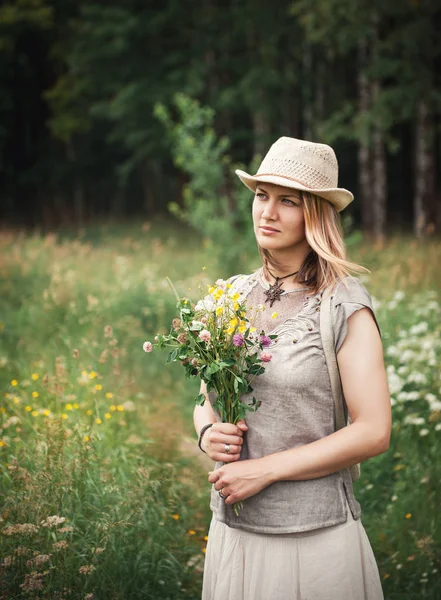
pixel 266 228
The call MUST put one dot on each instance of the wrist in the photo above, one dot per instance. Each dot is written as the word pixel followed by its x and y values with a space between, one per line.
pixel 270 471
pixel 202 433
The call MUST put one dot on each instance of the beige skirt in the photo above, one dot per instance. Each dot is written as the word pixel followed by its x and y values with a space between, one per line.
pixel 332 563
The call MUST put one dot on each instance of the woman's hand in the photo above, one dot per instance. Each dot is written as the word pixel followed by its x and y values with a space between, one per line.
pixel 241 480
pixel 218 436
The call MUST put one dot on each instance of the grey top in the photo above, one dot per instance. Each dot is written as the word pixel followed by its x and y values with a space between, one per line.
pixel 297 408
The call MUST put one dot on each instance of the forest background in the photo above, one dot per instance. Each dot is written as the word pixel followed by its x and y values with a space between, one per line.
pixel 121 124
pixel 79 82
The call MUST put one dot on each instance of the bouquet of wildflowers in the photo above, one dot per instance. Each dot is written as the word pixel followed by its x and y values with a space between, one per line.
pixel 214 340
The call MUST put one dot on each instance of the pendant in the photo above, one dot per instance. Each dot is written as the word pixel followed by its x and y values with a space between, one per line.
pixel 274 292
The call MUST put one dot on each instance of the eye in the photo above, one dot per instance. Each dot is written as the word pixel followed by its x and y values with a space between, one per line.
pixel 290 202
pixel 260 195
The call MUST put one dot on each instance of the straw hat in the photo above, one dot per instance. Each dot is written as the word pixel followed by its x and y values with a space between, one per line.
pixel 301 165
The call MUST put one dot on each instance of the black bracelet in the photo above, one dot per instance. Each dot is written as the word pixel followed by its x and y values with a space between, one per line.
pixel 201 433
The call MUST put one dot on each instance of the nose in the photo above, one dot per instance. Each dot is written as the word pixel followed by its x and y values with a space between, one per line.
pixel 269 211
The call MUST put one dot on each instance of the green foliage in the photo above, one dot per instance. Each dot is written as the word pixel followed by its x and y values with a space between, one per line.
pixel 135 489
pixel 227 358
pixel 215 202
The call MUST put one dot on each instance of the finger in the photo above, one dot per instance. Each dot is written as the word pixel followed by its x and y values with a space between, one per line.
pixel 213 477
pixel 226 458
pixel 221 438
pixel 234 449
pixel 242 425
pixel 227 428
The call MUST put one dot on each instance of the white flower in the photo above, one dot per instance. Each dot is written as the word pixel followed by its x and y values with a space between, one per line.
pixel 399 295
pixel 417 377
pixel 438 427
pixel 419 328
pixel 407 356
pixel 395 382
pixel 412 420
pixel 424 432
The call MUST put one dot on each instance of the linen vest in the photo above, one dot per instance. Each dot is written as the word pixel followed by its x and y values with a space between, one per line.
pixel 296 408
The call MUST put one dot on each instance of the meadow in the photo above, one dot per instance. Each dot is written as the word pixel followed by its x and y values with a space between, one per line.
pixel 104 493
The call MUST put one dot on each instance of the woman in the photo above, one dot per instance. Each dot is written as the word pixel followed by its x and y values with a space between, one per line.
pixel 298 534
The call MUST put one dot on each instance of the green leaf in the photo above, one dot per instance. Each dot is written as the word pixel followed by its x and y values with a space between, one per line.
pixel 173 355
pixel 199 400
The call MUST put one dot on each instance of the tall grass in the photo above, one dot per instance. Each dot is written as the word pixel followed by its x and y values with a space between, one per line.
pixel 104 494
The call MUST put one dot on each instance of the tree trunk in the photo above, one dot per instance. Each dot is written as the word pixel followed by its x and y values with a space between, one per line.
pixel 306 92
pixel 379 189
pixel 260 127
pixel 364 153
pixel 424 200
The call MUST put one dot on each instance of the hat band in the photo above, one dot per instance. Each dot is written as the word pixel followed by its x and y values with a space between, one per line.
pixel 284 177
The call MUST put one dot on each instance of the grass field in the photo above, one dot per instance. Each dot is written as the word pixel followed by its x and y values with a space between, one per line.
pixel 104 495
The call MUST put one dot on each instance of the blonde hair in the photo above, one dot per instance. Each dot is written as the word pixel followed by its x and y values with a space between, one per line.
pixel 326 264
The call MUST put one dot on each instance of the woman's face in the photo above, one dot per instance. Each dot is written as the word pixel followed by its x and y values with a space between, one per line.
pixel 279 224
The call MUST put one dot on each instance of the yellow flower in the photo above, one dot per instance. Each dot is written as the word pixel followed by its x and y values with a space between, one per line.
pixel 28 408
pixel 112 407
pixel 274 315
pixel 89 412
pixel 109 395
pixel 34 413
pixel 229 286
pixel 211 289
pixel 120 407
pixel 235 297
pixel 98 421
pixel 408 515
pixel 84 373
pixel 76 405
pixel 252 329
pixel 108 416
pixel 3 410
pixel 86 438
pixel 219 310
pixel 64 416
pixel 2 443
pixel 14 382
pixel 175 517
pixel 191 532
pixel 204 550
pixel 235 306
pixel 217 294
pixel 206 538
pixel 203 268
pixel 399 467
pixel 34 376
pixel 233 322
pixel 16 400
pixel 242 329
pixel 46 412
pixel 92 375
pixel 35 394
pixel 98 387
pixel 69 406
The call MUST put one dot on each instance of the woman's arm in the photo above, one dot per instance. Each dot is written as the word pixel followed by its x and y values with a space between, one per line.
pixel 366 391
pixel 216 437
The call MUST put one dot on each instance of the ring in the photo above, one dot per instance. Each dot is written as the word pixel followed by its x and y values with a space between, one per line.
pixel 227 448
pixel 221 494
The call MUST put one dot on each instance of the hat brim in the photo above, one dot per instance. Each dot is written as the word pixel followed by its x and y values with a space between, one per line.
pixel 339 197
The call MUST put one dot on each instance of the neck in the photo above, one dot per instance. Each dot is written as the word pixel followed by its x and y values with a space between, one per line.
pixel 288 261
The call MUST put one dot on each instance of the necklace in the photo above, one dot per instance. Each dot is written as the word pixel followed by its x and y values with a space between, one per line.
pixel 275 290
